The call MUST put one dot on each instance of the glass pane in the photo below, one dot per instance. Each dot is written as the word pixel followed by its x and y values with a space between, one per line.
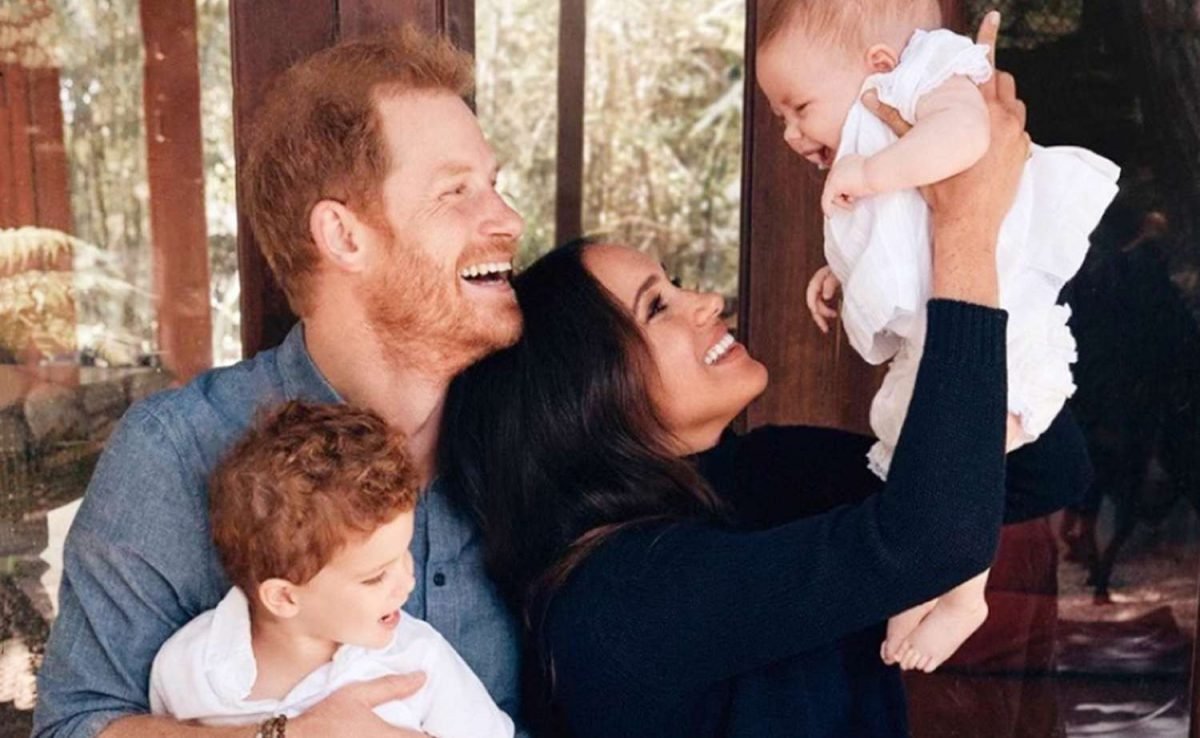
pixel 662 125
pixel 516 55
pixel 80 325
pixel 1093 612
pixel 663 132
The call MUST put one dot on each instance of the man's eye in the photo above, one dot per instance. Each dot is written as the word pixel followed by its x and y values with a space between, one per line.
pixel 460 189
pixel 375 579
pixel 677 282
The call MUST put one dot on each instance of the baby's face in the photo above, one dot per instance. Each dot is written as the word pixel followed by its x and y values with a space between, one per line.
pixel 356 598
pixel 811 85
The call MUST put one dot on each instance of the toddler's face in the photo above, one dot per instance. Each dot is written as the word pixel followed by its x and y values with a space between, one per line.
pixel 356 598
pixel 811 84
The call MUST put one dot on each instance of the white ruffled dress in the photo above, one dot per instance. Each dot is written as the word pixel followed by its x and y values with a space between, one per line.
pixel 880 250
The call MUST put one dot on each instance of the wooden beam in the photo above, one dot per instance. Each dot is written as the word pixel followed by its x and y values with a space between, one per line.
pixel 175 169
pixel 572 44
pixel 21 208
pixel 8 217
pixel 954 17
pixel 52 186
pixel 261 53
pixel 816 379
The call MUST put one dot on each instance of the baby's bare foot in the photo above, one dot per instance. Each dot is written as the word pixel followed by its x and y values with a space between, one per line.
pixel 899 627
pixel 940 634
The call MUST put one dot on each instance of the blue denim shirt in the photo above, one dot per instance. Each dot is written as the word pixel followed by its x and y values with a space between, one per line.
pixel 139 562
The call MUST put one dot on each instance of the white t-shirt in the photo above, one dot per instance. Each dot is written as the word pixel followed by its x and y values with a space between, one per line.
pixel 206 670
pixel 880 251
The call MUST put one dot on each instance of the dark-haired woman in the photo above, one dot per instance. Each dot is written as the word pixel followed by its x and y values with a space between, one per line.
pixel 682 581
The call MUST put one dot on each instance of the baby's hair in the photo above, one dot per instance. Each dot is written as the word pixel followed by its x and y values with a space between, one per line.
pixel 848 24
pixel 303 482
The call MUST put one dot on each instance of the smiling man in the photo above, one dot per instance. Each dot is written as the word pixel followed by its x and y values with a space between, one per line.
pixel 372 192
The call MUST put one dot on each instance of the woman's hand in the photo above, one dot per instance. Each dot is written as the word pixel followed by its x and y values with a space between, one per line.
pixel 968 208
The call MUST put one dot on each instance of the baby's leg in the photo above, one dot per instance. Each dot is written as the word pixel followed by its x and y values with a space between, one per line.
pixel 957 615
pixel 1016 436
pixel 899 627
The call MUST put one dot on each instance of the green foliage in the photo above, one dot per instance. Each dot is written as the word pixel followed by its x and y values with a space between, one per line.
pixel 662 119
pixel 100 49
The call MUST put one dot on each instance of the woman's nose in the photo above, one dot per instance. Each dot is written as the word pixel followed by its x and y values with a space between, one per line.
pixel 709 306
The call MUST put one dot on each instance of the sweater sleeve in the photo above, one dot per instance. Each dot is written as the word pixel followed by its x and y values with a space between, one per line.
pixel 776 474
pixel 684 605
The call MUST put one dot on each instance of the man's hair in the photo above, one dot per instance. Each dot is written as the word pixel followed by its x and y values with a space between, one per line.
pixel 849 24
pixel 303 482
pixel 318 136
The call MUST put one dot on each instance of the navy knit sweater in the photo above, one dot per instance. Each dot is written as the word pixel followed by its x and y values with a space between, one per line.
pixel 773 627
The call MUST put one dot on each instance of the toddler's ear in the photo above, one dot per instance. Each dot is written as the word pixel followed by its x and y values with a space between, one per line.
pixel 882 58
pixel 279 597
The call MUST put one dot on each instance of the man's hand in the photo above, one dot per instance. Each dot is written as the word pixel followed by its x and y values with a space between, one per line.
pixel 845 183
pixel 820 293
pixel 349 711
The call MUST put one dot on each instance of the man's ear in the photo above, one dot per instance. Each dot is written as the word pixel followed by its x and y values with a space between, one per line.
pixel 336 231
pixel 280 597
pixel 882 58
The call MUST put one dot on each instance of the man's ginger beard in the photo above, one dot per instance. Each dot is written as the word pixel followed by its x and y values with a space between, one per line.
pixel 423 321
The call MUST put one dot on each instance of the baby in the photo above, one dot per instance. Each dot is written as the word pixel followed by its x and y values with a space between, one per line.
pixel 814 61
pixel 312 515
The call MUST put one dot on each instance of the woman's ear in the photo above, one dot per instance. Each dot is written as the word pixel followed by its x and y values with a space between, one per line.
pixel 336 232
pixel 882 58
pixel 280 598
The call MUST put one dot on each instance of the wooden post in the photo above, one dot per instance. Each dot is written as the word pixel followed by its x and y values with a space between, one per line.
pixel 816 379
pixel 20 208
pixel 175 168
pixel 572 44
pixel 260 53
pixel 34 187
pixel 51 181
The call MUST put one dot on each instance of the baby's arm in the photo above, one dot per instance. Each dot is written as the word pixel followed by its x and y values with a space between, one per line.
pixel 819 296
pixel 951 133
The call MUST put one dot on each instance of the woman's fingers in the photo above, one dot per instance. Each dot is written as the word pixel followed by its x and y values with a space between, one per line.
pixel 886 113
pixel 989 29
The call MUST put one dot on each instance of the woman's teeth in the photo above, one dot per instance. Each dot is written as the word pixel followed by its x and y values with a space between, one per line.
pixel 488 270
pixel 720 349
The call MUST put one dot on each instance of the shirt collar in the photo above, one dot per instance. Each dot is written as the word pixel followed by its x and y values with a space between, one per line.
pixel 301 377
pixel 229 654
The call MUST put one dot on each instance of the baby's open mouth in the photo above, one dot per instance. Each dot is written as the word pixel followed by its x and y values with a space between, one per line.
pixel 822 157
pixel 391 618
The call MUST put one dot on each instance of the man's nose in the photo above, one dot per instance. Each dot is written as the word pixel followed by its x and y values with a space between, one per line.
pixel 503 222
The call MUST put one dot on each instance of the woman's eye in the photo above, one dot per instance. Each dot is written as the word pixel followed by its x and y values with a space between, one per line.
pixel 375 579
pixel 656 306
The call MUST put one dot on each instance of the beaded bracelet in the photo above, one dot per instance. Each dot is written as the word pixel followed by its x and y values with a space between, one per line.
pixel 275 727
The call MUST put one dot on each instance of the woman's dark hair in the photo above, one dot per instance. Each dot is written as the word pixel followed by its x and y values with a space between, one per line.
pixel 553 444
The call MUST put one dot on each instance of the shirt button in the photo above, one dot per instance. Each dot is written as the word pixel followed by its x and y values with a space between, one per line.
pixel 439 579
